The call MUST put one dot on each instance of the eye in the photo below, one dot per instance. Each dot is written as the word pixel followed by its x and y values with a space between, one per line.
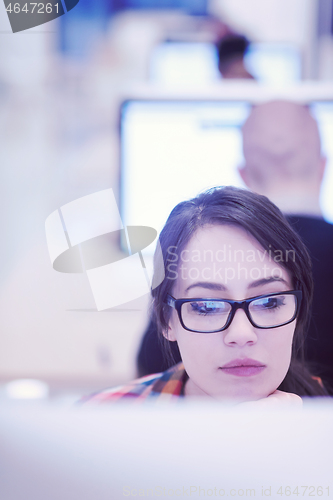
pixel 268 303
pixel 206 307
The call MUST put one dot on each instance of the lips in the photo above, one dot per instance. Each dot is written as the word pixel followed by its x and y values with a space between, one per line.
pixel 243 367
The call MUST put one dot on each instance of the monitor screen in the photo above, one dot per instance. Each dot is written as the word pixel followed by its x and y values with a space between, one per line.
pixel 172 150
pixel 274 63
pixel 176 63
pixel 184 63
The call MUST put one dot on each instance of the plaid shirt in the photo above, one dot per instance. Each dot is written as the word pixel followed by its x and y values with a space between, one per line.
pixel 165 386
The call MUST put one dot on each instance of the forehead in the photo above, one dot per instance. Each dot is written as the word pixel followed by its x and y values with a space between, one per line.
pixel 223 241
pixel 230 255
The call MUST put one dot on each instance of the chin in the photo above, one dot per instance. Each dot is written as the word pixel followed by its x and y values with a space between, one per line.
pixel 246 394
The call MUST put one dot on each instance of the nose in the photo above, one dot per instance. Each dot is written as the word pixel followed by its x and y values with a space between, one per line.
pixel 240 332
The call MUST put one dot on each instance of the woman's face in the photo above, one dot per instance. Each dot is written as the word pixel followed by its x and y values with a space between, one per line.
pixel 225 262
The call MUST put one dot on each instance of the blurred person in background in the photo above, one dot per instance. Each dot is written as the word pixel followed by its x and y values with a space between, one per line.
pixel 283 160
pixel 282 156
pixel 231 52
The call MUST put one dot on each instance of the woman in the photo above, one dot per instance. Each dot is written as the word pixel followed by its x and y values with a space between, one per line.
pixel 236 298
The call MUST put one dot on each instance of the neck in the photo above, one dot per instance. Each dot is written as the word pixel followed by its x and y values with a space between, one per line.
pixel 298 204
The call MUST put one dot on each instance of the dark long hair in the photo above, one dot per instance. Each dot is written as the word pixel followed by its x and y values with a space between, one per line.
pixel 258 216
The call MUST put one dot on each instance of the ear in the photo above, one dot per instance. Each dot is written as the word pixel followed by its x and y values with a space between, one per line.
pixel 169 334
pixel 243 172
pixel 322 167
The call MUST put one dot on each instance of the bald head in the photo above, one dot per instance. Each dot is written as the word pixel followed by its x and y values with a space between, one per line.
pixel 281 146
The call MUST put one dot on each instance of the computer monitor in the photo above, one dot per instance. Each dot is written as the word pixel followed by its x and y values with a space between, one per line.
pixel 183 62
pixel 198 450
pixel 274 63
pixel 173 149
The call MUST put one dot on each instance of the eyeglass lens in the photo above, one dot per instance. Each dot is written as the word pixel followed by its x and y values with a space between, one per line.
pixel 208 315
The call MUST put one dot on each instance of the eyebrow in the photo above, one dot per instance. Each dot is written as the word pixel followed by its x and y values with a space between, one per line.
pixel 219 287
pixel 208 286
pixel 265 281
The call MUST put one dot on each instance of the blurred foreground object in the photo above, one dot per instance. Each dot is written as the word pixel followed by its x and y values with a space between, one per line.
pixel 27 389
pixel 187 450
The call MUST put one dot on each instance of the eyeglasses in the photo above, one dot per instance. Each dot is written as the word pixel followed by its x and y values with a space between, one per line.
pixel 215 315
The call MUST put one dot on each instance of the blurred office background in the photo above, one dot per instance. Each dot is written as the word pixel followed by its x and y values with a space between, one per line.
pixel 62 91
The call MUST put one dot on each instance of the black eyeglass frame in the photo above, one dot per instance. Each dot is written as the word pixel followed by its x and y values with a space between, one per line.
pixel 235 304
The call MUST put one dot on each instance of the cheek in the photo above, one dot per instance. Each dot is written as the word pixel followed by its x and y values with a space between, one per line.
pixel 191 346
pixel 288 336
pixel 198 351
pixel 281 347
